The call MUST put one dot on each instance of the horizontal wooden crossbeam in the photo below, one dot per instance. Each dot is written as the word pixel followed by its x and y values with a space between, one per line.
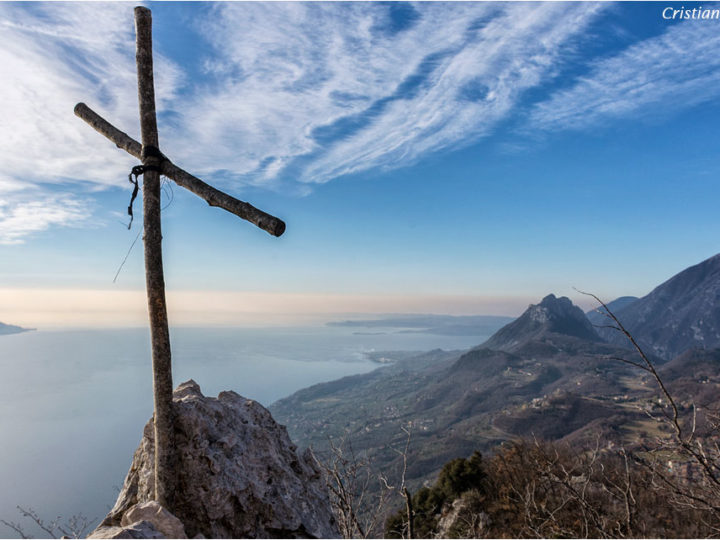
pixel 182 178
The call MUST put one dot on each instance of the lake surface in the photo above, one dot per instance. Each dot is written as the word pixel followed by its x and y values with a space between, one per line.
pixel 73 403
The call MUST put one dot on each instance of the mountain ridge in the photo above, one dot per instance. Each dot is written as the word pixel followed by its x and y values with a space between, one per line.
pixel 681 313
pixel 548 374
pixel 464 401
pixel 598 318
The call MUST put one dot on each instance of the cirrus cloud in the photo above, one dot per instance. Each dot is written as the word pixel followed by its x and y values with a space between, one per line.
pixel 301 93
pixel 21 218
pixel 675 70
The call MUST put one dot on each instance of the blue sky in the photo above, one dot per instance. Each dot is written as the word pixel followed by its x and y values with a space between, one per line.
pixel 464 157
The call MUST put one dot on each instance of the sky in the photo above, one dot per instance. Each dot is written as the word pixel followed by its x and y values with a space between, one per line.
pixel 461 158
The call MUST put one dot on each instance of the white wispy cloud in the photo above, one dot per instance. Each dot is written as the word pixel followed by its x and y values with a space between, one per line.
pixel 675 70
pixel 308 91
pixel 53 55
pixel 287 74
pixel 20 218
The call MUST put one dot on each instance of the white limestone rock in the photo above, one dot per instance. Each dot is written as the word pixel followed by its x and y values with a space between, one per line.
pixel 239 475
pixel 139 529
pixel 169 525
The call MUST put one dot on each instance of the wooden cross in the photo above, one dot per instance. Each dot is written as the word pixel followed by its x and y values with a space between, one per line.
pixel 154 164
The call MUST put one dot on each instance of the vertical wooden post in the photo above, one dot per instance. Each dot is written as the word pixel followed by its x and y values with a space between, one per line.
pixel 154 279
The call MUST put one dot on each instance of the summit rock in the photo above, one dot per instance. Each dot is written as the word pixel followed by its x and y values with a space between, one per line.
pixel 239 475
pixel 552 317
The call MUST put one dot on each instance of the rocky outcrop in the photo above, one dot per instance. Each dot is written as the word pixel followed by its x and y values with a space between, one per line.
pixel 162 520
pixel 239 475
pixel 461 515
pixel 551 317
pixel 139 529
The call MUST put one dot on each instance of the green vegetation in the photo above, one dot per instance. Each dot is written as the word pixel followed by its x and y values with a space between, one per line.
pixel 456 478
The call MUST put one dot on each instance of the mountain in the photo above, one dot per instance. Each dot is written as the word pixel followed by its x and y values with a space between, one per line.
pixel 547 373
pixel 11 329
pixel 680 314
pixel 598 319
pixel 552 316
pixel 694 376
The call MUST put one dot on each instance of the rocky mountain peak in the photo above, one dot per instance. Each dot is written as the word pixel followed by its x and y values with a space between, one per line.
pixel 552 308
pixel 553 315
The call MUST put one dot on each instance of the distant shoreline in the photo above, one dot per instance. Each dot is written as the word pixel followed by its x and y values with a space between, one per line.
pixel 8 329
pixel 442 325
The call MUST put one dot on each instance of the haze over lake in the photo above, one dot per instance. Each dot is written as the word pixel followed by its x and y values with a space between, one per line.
pixel 73 403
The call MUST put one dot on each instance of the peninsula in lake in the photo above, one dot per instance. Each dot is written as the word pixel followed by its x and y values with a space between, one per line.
pixel 12 329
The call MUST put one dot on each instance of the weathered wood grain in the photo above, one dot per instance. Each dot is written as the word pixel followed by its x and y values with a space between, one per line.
pixel 165 474
pixel 182 178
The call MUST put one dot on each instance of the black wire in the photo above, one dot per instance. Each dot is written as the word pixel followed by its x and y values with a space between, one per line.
pixel 165 186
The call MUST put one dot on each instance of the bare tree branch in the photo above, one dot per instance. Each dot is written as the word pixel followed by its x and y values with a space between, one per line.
pixel 687 442
pixel 76 526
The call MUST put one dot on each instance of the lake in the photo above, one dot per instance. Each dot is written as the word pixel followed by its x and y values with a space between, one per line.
pixel 73 403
